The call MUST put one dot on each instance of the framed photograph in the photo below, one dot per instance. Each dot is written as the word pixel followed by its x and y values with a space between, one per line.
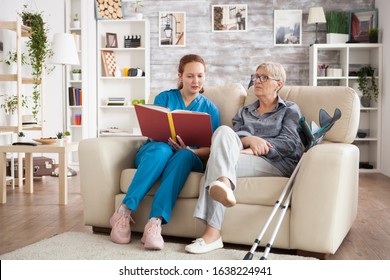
pixel 108 9
pixel 360 23
pixel 109 63
pixel 288 27
pixel 111 40
pixel 172 29
pixel 229 18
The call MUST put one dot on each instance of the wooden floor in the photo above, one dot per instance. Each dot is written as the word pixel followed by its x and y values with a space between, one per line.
pixel 28 218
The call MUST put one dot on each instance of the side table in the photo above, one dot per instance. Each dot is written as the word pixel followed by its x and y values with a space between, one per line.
pixel 62 152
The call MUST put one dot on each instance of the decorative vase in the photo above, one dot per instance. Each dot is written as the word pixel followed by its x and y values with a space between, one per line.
pixel 76 76
pixel 68 139
pixel 335 38
pixel 60 142
pixel 373 38
pixel 11 119
pixel 76 24
pixel 21 139
pixel 365 101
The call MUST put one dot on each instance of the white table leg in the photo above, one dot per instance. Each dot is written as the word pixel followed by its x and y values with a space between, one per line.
pixel 3 179
pixel 29 188
pixel 63 178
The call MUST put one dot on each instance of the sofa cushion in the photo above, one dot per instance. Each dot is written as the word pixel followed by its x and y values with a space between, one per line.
pixel 311 99
pixel 251 190
pixel 259 190
pixel 228 98
pixel 190 189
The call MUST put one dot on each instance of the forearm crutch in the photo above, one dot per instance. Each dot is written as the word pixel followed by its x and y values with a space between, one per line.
pixel 279 201
pixel 309 139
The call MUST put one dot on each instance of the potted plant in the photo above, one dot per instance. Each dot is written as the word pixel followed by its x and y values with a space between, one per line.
pixel 76 74
pixel 367 85
pixel 76 21
pixel 10 106
pixel 21 136
pixel 138 9
pixel 373 34
pixel 67 137
pixel 337 27
pixel 60 138
pixel 38 51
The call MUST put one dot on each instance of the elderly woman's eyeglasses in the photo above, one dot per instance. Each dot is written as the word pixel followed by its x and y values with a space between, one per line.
pixel 263 78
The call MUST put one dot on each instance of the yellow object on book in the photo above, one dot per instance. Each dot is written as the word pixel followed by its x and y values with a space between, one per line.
pixel 159 124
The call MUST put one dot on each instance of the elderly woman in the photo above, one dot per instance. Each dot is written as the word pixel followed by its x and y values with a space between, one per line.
pixel 263 142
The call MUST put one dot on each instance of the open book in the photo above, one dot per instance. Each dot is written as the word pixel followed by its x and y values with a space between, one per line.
pixel 159 123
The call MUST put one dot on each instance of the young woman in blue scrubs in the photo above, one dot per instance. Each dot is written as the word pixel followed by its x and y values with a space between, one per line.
pixel 171 161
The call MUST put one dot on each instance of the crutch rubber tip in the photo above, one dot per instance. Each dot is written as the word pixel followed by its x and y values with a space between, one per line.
pixel 248 256
pixel 263 258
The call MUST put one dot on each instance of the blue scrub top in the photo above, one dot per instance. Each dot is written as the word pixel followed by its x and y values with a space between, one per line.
pixel 173 100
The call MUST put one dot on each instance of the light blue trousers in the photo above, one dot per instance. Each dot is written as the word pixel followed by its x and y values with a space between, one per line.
pixel 155 160
pixel 226 161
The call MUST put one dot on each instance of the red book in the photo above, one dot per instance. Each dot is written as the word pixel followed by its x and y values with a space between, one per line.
pixel 159 123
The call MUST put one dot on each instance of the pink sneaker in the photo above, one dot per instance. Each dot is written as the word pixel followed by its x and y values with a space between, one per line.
pixel 152 238
pixel 120 232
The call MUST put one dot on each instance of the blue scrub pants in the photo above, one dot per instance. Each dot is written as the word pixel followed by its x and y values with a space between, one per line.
pixel 156 159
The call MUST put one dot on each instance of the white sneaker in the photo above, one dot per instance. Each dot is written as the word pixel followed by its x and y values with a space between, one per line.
pixel 198 246
pixel 222 193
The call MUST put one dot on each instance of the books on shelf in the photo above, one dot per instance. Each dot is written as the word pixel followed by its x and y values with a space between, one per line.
pixel 159 123
pixel 76 119
pixel 75 96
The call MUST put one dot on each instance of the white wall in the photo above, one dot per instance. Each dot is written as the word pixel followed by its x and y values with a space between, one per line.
pixel 384 21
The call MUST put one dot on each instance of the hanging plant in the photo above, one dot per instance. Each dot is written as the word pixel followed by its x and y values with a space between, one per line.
pixel 367 83
pixel 39 50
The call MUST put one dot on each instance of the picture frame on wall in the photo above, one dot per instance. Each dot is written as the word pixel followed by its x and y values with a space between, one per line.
pixel 287 27
pixel 111 40
pixel 109 63
pixel 360 23
pixel 229 18
pixel 172 29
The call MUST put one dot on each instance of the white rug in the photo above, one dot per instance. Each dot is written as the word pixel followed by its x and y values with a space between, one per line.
pixel 88 246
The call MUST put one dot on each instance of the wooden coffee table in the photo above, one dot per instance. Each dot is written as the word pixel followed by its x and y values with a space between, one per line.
pixel 62 152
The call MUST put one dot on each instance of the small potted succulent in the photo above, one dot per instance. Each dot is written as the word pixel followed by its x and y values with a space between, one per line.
pixel 76 21
pixel 67 137
pixel 21 136
pixel 76 74
pixel 60 138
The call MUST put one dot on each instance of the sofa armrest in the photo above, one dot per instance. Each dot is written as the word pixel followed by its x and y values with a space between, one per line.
pixel 325 197
pixel 101 163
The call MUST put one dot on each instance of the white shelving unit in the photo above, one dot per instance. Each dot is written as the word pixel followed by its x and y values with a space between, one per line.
pixel 350 58
pixel 22 85
pixel 121 120
pixel 76 116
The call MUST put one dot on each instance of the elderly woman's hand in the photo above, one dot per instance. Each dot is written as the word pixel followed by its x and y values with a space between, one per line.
pixel 257 145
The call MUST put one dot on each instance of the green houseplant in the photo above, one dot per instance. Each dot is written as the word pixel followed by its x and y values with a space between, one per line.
pixel 39 50
pixel 367 85
pixel 10 106
pixel 373 35
pixel 10 103
pixel 337 27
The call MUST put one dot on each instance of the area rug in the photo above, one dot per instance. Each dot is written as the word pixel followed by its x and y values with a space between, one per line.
pixel 88 246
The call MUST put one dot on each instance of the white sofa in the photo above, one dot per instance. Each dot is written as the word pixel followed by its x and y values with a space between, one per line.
pixel 324 201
